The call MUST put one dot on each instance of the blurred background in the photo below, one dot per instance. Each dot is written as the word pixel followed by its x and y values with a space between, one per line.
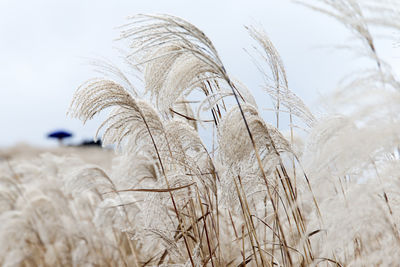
pixel 46 47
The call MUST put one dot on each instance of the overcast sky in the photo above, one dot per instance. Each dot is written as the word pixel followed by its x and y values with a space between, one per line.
pixel 44 46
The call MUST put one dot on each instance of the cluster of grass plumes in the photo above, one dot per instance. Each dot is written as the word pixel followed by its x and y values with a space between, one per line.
pixel 47 215
pixel 235 205
pixel 324 194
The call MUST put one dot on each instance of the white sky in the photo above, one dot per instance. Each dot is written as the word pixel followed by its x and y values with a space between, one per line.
pixel 44 46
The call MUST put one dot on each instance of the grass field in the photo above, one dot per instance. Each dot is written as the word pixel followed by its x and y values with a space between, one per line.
pixel 302 190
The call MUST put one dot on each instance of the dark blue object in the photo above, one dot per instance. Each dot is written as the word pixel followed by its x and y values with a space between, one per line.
pixel 59 135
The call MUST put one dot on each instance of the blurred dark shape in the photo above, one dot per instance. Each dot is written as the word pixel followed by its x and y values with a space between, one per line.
pixel 91 143
pixel 59 135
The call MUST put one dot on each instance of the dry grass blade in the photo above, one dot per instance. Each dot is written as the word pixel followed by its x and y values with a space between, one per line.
pixel 156 190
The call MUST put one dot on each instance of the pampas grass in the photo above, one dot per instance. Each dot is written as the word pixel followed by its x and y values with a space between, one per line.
pixel 325 193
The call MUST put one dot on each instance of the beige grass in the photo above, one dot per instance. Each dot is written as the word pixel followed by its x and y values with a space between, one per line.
pixel 254 196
